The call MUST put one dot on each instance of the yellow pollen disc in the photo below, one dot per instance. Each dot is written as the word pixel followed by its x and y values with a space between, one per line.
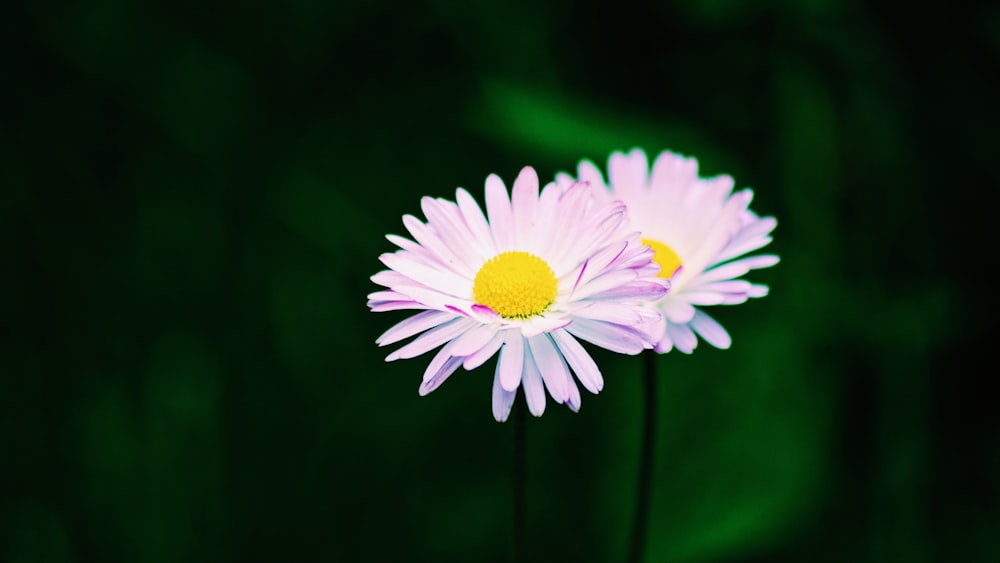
pixel 664 256
pixel 515 284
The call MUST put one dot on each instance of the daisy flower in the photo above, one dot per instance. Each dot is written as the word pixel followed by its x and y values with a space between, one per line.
pixel 700 231
pixel 529 280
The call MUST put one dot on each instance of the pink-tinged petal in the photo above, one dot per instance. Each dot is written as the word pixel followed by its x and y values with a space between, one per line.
pixel 613 337
pixel 648 291
pixel 438 378
pixel 456 310
pixel 473 340
pixel 583 270
pixel 683 338
pixel 396 306
pixel 677 310
pixel 431 339
pixel 541 323
pixel 551 365
pixel 709 329
pixel 702 298
pixel 534 390
pixel 476 222
pixel 441 280
pixel 485 314
pixel 524 205
pixel 734 299
pixel 498 208
pixel 479 357
pixel 511 360
pixel 758 290
pixel 412 325
pixel 503 400
pixel 583 365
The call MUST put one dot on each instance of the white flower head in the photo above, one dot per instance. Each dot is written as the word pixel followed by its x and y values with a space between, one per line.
pixel 700 230
pixel 543 271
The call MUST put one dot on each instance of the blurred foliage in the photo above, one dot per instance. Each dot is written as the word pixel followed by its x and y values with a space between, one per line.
pixel 197 195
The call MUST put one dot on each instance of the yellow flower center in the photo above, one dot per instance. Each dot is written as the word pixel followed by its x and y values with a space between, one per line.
pixel 664 256
pixel 515 284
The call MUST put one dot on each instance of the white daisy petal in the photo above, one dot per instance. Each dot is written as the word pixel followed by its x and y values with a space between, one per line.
pixel 534 390
pixel 411 326
pixel 552 367
pixel 636 291
pixel 683 337
pixel 446 281
pixel 610 312
pixel 589 172
pixel 479 357
pixel 735 269
pixel 498 208
pixel 583 365
pixel 524 203
pixel 433 382
pixel 678 311
pixel 573 401
pixel 503 399
pixel 709 329
pixel 614 337
pixel 703 297
pixel 437 252
pixel 476 223
pixel 473 340
pixel 511 360
pixel 543 323
pixel 431 339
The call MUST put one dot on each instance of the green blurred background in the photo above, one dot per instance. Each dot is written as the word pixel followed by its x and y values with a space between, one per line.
pixel 195 195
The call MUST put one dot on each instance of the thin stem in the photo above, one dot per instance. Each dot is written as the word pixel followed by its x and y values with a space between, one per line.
pixel 520 474
pixel 644 487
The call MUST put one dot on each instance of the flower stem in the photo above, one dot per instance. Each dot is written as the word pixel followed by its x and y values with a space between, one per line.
pixel 645 478
pixel 520 474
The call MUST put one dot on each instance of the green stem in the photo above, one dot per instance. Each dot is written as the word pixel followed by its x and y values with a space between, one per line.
pixel 520 474
pixel 644 488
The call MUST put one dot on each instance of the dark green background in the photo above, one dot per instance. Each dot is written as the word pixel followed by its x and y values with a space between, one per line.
pixel 195 195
